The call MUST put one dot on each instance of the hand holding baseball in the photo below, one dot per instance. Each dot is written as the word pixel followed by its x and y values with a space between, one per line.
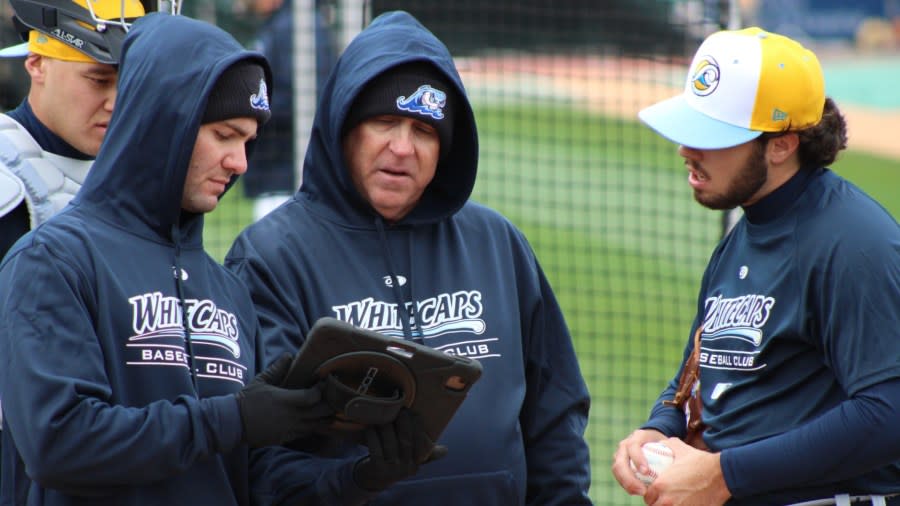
pixel 693 477
pixel 659 457
pixel 631 447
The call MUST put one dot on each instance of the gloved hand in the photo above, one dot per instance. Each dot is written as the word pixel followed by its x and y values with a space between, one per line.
pixel 396 450
pixel 272 415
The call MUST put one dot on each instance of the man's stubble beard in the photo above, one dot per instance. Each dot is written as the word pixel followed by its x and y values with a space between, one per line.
pixel 749 180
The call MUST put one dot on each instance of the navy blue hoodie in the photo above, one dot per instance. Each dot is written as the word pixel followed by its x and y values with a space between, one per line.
pixel 100 403
pixel 471 276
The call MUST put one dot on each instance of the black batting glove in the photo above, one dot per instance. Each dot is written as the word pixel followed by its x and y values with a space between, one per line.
pixel 272 415
pixel 396 450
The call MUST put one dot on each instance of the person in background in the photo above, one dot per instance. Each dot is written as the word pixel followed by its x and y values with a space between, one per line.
pixel 52 137
pixel 274 179
pixel 382 234
pixel 789 391
pixel 13 81
pixel 48 142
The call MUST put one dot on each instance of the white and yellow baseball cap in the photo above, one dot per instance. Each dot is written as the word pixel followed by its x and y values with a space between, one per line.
pixel 742 83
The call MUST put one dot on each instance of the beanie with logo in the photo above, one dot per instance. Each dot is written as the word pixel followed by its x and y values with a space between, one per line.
pixel 416 90
pixel 240 92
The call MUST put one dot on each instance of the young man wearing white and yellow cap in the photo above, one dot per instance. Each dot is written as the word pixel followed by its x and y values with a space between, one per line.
pixel 48 143
pixel 796 396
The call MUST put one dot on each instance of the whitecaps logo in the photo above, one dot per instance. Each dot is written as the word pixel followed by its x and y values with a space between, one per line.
pixel 456 315
pixel 426 100
pixel 156 316
pixel 159 338
pixel 705 77
pixel 260 99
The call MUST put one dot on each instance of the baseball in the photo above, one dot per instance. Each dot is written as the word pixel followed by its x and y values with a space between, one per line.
pixel 659 457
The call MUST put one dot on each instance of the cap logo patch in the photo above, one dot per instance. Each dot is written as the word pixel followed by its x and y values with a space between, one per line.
pixel 705 77
pixel 427 101
pixel 260 99
pixel 779 115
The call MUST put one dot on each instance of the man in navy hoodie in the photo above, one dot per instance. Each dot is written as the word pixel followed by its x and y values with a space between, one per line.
pixel 382 234
pixel 128 354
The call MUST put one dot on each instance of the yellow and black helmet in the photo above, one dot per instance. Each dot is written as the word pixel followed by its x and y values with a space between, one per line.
pixel 76 30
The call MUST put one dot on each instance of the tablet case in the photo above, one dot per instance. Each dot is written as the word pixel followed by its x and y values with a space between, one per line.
pixel 369 376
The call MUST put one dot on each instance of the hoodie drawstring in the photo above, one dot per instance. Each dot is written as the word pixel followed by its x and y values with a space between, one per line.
pixel 406 313
pixel 185 325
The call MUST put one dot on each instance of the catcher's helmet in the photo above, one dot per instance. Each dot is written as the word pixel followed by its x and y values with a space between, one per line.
pixel 96 28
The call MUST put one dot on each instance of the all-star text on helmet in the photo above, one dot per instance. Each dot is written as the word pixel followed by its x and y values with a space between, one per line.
pixel 96 28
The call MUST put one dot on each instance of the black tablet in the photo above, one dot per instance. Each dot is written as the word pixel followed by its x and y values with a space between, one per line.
pixel 369 376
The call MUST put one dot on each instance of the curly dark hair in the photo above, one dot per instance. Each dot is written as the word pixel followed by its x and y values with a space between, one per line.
pixel 820 143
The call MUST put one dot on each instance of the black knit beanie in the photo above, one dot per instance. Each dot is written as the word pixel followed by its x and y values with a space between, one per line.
pixel 416 90
pixel 240 92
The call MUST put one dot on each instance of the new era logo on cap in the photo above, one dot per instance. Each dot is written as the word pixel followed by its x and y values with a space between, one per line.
pixel 742 83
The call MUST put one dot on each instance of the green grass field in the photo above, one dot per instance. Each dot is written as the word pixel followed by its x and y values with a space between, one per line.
pixel 606 206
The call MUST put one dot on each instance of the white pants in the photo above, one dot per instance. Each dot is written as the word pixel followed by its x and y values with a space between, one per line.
pixel 847 500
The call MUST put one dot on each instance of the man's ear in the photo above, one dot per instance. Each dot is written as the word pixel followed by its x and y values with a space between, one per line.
pixel 781 148
pixel 36 67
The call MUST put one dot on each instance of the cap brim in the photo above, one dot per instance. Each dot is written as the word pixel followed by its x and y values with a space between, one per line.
pixel 14 51
pixel 677 121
